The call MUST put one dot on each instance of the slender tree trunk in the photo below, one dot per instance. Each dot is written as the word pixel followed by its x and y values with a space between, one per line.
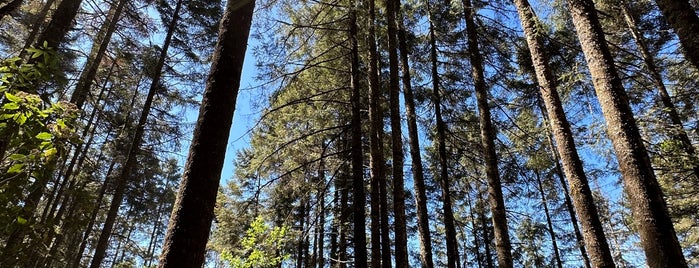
pixel 683 19
pixel 678 132
pixel 566 194
pixel 497 204
pixel 486 230
pixel 415 153
pixel 301 247
pixel 549 224
pixel 376 162
pixel 593 231
pixel 359 197
pixel 82 89
pixel 185 242
pixel 648 206
pixel 130 164
pixel 400 232
pixel 474 233
pixel 449 224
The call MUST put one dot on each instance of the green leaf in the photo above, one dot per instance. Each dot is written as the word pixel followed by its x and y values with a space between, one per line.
pixel 21 220
pixel 16 168
pixel 12 98
pixel 17 157
pixel 44 136
pixel 50 152
pixel 11 106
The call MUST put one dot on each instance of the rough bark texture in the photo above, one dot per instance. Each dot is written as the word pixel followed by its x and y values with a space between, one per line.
pixel 649 209
pixel 593 232
pixel 679 133
pixel 193 210
pixel 423 223
pixel 82 89
pixel 400 231
pixel 359 197
pixel 497 204
pixel 449 225
pixel 684 20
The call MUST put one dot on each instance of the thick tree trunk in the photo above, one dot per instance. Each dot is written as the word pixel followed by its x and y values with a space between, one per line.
pixel 678 131
pixel 423 223
pixel 359 197
pixel 449 224
pixel 648 206
pixel 683 19
pixel 56 31
pixel 190 222
pixel 40 18
pixel 497 204
pixel 593 231
pixel 130 164
pixel 88 74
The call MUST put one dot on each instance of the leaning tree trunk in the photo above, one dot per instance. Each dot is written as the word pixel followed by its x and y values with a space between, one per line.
pixel 193 211
pixel 648 206
pixel 359 221
pixel 61 21
pixel 130 164
pixel 678 132
pixel 423 223
pixel 449 222
pixel 82 89
pixel 593 231
pixel 497 203
pixel 683 19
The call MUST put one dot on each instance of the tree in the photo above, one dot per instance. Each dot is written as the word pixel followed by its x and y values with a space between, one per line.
pixel 190 221
pixel 596 242
pixel 684 20
pixel 649 208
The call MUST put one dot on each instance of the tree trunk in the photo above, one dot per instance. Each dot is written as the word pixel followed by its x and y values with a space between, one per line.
pixel 566 194
pixel 82 89
pixel 376 161
pixel 678 132
pixel 649 209
pixel 497 204
pixel 400 231
pixel 593 231
pixel 549 224
pixel 683 19
pixel 190 222
pixel 61 21
pixel 40 18
pixel 449 224
pixel 130 164
pixel 359 197
pixel 415 153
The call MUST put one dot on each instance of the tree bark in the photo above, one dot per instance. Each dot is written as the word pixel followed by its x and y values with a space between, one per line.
pixel 400 231
pixel 549 224
pixel 415 153
pixel 359 197
pixel 61 21
pixel 648 206
pixel 593 231
pixel 10 7
pixel 678 132
pixel 683 19
pixel 190 222
pixel 497 204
